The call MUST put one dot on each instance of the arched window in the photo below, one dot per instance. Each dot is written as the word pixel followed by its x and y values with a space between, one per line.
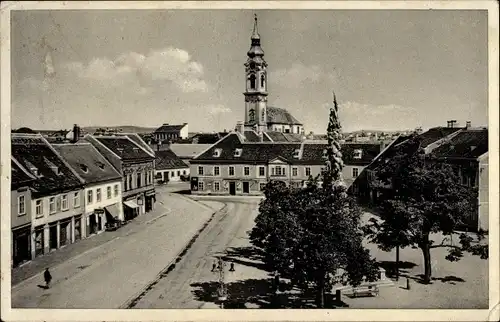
pixel 251 115
pixel 262 81
pixel 252 81
pixel 263 115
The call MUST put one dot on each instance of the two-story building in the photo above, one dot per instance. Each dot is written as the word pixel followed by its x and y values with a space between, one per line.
pixel 20 212
pixel 102 193
pixel 56 193
pixel 136 165
pixel 236 166
pixel 171 132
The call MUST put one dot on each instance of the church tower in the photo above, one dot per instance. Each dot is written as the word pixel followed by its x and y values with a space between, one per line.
pixel 256 85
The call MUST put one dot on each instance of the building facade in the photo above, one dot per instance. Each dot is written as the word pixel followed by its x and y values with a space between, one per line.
pixel 170 132
pixel 169 167
pixel 20 213
pixel 136 166
pixel 235 167
pixel 102 199
pixel 56 205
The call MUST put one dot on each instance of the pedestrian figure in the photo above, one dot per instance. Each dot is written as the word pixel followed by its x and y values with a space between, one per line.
pixel 47 277
pixel 231 269
pixel 214 266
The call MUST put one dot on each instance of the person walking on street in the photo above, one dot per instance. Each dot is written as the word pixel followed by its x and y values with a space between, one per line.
pixel 47 277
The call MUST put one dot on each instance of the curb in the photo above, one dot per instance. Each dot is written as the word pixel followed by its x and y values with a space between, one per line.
pixel 71 259
pixel 130 303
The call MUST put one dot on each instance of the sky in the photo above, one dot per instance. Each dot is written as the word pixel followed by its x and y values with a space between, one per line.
pixel 390 69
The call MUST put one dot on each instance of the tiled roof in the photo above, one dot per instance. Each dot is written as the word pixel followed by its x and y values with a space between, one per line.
pixel 284 137
pixel 280 116
pixel 434 134
pixel 170 128
pixel 187 151
pixel 206 138
pixel 87 162
pixel 136 138
pixel 34 153
pixel 167 159
pixel 19 177
pixel 311 153
pixel 251 136
pixel 470 143
pixel 124 147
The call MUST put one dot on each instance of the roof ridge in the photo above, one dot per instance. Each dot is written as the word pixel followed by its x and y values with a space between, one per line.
pixel 64 161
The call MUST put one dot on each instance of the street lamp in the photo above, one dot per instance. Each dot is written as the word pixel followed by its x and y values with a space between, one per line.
pixel 219 268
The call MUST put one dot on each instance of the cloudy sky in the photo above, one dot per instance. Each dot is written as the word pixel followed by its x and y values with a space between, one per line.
pixel 390 69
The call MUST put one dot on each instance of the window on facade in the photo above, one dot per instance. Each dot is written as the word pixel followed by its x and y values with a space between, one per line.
pixel 294 172
pixel 130 181
pixel 252 81
pixel 184 172
pixel 231 171
pixel 76 200
pixel 247 171
pixel 251 115
pixel 216 186
pixel 172 174
pixel 216 171
pixel 90 196
pixel 38 208
pixel 21 205
pixel 262 81
pixel 64 202
pixel 125 183
pixel 200 186
pixel 200 171
pixel 139 179
pixel 52 205
pixel 108 192
pixel 98 195
pixel 308 171
pixel 178 173
pixel 116 190
pixel 279 171
pixel 355 172
pixel 262 171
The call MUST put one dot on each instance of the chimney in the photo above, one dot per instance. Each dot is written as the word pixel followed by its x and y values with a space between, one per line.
pixel 468 124
pixel 451 123
pixel 76 133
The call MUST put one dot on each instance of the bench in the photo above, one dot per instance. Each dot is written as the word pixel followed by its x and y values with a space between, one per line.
pixel 365 290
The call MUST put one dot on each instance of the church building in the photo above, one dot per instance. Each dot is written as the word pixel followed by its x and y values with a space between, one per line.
pixel 260 119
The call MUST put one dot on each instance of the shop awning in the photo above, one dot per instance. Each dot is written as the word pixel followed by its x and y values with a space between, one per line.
pixel 131 204
pixel 112 212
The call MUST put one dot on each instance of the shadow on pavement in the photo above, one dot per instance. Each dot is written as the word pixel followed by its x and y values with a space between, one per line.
pixel 450 279
pixel 248 256
pixel 390 267
pixel 258 293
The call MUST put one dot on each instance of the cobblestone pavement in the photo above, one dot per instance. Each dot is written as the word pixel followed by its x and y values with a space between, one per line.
pixel 109 275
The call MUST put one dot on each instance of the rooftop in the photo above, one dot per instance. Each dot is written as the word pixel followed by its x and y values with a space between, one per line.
pixel 468 144
pixel 170 128
pixel 87 162
pixel 35 155
pixel 124 147
pixel 167 159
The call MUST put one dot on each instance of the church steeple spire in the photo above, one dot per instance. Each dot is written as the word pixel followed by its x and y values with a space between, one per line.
pixel 255 34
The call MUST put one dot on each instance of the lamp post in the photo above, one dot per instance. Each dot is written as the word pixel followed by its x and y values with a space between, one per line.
pixel 219 269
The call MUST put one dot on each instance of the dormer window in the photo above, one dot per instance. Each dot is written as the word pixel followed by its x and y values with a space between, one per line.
pixel 32 169
pixel 296 153
pixel 217 153
pixel 357 154
pixel 237 153
pixel 53 167
pixel 84 168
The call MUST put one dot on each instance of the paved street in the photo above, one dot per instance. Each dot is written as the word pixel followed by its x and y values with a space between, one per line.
pixel 228 231
pixel 109 275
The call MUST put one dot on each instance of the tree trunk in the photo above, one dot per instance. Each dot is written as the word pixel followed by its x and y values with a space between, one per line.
pixel 321 295
pixel 426 251
pixel 397 263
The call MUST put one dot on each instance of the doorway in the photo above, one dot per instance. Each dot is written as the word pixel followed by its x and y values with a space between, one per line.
pixel 232 188
pixel 246 187
pixel 53 237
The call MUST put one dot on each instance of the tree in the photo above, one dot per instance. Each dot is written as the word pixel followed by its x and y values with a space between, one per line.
pixel 311 233
pixel 424 197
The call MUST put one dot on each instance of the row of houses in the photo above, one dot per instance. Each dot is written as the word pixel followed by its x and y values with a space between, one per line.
pixel 64 192
pixel 242 164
